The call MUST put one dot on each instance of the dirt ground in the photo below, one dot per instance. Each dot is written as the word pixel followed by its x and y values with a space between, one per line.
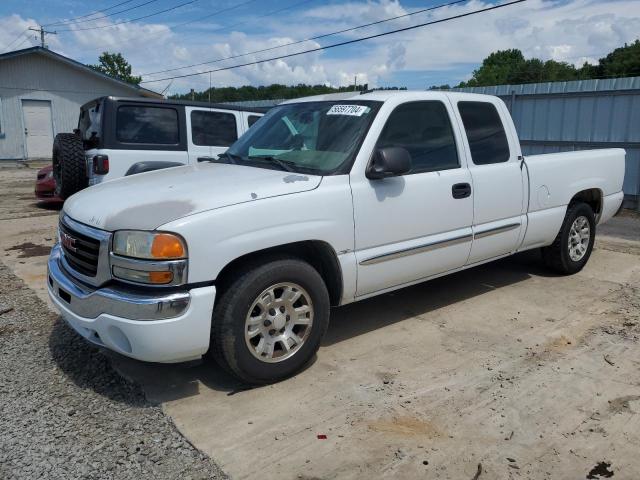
pixel 499 372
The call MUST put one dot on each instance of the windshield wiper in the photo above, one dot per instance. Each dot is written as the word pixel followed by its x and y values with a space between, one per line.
pixel 230 157
pixel 222 158
pixel 283 164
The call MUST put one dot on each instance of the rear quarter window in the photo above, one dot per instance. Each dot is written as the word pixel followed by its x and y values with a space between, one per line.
pixel 485 132
pixel 215 129
pixel 253 119
pixel 147 125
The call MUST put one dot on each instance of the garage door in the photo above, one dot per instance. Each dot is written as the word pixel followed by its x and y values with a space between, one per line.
pixel 38 129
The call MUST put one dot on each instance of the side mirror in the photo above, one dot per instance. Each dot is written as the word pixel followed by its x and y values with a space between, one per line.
pixel 389 162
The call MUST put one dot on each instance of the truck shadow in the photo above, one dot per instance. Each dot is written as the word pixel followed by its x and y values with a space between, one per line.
pixel 167 382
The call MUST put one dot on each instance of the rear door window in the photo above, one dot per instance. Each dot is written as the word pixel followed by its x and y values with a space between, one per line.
pixel 215 129
pixel 148 125
pixel 485 132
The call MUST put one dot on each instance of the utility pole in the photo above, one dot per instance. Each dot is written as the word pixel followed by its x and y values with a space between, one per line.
pixel 43 32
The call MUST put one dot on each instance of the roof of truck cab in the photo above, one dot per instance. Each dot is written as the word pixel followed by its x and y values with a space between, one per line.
pixel 185 103
pixel 384 95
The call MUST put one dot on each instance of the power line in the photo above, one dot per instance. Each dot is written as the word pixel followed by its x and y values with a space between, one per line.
pixel 317 37
pixel 340 44
pixel 131 20
pixel 263 16
pixel 218 12
pixel 16 39
pixel 28 37
pixel 199 19
pixel 74 19
pixel 74 23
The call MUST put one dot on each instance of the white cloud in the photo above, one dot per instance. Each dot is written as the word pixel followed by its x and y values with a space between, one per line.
pixel 14 34
pixel 574 31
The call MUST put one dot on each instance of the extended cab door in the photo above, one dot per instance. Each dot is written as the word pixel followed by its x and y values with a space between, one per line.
pixel 211 131
pixel 417 225
pixel 498 179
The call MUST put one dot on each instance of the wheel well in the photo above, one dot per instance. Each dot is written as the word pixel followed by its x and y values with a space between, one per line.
pixel 317 253
pixel 592 197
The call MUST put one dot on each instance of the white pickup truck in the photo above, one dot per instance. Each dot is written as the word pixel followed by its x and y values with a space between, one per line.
pixel 321 204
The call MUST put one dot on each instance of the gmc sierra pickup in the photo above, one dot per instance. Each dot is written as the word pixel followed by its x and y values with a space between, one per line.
pixel 322 203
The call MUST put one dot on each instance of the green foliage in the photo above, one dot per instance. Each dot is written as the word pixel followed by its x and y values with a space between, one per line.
pixel 115 65
pixel 510 67
pixel 268 92
pixel 622 62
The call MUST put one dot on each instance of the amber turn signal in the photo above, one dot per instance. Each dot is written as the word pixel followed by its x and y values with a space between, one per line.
pixel 160 277
pixel 166 245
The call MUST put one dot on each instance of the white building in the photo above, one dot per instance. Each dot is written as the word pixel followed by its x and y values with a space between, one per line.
pixel 40 96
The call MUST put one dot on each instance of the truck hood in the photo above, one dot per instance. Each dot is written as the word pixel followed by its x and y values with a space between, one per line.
pixel 148 200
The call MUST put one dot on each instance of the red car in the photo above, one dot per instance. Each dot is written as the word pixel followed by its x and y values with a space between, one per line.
pixel 46 186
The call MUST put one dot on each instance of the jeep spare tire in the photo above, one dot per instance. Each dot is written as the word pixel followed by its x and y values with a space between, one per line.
pixel 68 165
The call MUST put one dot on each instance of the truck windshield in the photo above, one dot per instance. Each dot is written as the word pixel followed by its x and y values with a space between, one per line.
pixel 320 138
pixel 89 124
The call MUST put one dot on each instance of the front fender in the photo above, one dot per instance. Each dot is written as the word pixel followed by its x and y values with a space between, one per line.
pixel 215 238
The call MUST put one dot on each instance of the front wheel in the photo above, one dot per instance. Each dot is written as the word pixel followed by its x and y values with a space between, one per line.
pixel 269 320
pixel 572 247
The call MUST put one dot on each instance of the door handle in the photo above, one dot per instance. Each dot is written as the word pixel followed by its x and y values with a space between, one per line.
pixel 205 159
pixel 461 190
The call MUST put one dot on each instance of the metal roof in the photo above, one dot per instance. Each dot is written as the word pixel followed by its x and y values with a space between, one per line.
pixel 78 65
pixel 575 86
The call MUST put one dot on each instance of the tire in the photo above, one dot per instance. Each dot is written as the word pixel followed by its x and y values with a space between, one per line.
pixel 69 166
pixel 559 256
pixel 231 328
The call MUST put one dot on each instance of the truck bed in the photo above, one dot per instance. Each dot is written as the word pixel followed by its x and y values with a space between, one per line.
pixel 554 179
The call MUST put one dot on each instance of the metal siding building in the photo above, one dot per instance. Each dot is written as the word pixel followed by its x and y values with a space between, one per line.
pixel 40 95
pixel 561 116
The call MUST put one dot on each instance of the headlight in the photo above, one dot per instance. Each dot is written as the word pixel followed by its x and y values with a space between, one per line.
pixel 49 174
pixel 152 258
pixel 149 245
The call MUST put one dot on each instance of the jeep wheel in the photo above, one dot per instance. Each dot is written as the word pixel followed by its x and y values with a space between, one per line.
pixel 69 168
pixel 572 247
pixel 269 320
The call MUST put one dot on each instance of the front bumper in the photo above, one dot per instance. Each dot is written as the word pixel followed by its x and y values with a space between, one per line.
pixel 45 191
pixel 154 327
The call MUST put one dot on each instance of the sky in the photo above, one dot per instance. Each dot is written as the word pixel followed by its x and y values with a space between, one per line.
pixel 574 31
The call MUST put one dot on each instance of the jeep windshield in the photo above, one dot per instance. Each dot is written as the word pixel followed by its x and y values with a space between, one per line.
pixel 320 138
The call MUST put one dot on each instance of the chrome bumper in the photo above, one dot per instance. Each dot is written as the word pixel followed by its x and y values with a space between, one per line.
pixel 89 302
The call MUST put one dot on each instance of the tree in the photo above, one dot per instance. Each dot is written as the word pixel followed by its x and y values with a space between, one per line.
pixel 115 65
pixel 510 67
pixel 622 62
pixel 267 92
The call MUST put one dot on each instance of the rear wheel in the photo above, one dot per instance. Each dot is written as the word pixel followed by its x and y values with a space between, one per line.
pixel 69 167
pixel 269 320
pixel 572 247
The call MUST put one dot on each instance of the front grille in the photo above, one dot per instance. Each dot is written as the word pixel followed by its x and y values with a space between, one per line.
pixel 80 251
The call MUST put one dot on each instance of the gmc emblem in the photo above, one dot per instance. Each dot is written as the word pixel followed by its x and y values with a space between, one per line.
pixel 68 241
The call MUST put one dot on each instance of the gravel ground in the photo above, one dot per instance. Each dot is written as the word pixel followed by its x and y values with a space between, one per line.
pixel 65 412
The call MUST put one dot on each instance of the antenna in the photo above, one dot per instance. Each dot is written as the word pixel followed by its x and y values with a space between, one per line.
pixel 43 32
